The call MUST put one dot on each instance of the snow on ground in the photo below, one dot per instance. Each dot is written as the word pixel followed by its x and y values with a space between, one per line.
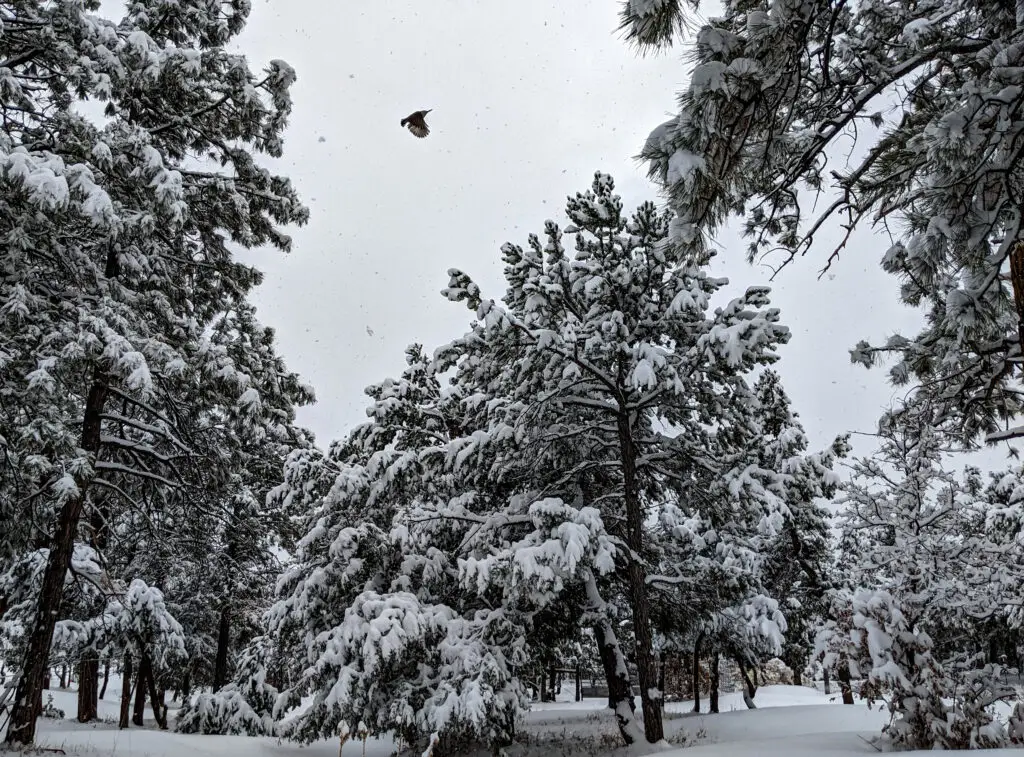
pixel 790 720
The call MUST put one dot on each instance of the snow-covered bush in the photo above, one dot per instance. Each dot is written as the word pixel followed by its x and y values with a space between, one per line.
pixel 223 712
pixel 775 671
pixel 243 707
pixel 50 710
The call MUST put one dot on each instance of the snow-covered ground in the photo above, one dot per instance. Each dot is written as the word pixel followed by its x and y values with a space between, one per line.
pixel 791 720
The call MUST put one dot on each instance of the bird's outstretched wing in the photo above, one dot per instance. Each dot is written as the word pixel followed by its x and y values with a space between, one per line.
pixel 417 123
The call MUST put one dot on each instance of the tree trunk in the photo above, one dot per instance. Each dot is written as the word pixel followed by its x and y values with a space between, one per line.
pixel 62 676
pixel 106 677
pixel 1017 280
pixel 89 667
pixel 126 691
pixel 749 686
pixel 826 681
pixel 715 680
pixel 156 699
pixel 22 726
pixel 141 681
pixel 579 683
pixel 620 693
pixel 843 674
pixel 220 667
pixel 38 704
pixel 696 671
pixel 88 683
pixel 661 678
pixel 646 664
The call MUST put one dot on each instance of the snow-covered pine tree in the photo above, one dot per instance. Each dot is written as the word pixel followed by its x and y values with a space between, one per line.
pixel 613 351
pixel 740 591
pixel 927 574
pixel 461 516
pixel 136 626
pixel 210 546
pixel 929 92
pixel 796 567
pixel 374 619
pixel 119 251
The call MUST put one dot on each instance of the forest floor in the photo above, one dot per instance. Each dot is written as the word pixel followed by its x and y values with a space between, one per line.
pixel 790 720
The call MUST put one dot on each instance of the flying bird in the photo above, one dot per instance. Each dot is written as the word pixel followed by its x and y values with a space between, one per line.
pixel 417 124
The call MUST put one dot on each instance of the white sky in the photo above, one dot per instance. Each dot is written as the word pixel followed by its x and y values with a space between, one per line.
pixel 529 99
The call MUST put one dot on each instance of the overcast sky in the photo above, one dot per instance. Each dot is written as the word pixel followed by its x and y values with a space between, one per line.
pixel 529 99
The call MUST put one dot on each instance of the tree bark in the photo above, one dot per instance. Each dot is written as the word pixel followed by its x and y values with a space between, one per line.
pixel 156 699
pixel 646 664
pixel 220 667
pixel 89 667
pixel 826 681
pixel 22 726
pixel 88 683
pixel 749 686
pixel 715 680
pixel 106 677
pixel 38 704
pixel 126 691
pixel 696 671
pixel 1017 280
pixel 843 674
pixel 620 692
pixel 141 681
pixel 661 678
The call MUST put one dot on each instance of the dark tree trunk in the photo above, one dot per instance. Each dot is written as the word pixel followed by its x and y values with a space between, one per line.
pixel 620 692
pixel 715 680
pixel 63 676
pixel 220 667
pixel 126 691
pixel 696 671
pixel 826 681
pixel 1017 280
pixel 552 682
pixel 88 683
pixel 21 728
pixel 141 681
pixel 89 667
pixel 186 687
pixel 106 677
pixel 749 685
pixel 661 678
pixel 646 664
pixel 579 684
pixel 156 699
pixel 46 680
pixel 843 674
